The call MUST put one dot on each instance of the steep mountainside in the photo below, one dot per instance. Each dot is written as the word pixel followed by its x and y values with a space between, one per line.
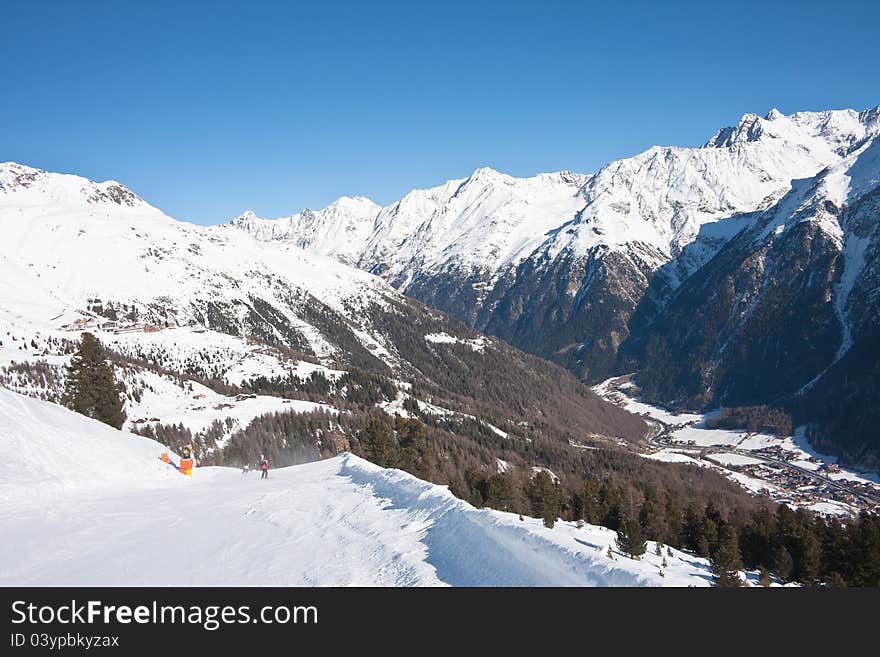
pixel 785 313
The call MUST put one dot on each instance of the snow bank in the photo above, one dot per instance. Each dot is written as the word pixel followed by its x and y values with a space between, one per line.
pixel 47 450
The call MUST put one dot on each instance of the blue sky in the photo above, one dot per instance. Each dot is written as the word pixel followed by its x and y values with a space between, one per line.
pixel 209 109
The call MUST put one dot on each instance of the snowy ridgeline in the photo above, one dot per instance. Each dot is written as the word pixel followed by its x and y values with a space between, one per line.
pixel 490 221
pixel 67 483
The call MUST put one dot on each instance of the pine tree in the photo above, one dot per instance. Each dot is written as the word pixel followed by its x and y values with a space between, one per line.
pixel 865 551
pixel 90 387
pixel 783 563
pixel 379 443
pixel 414 454
pixel 499 493
pixel 726 559
pixel 545 499
pixel 631 538
pixel 809 558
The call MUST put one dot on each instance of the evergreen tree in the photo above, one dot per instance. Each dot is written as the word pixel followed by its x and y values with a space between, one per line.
pixel 783 563
pixel 674 523
pixel 866 551
pixel 809 560
pixel 378 441
pixel 90 387
pixel 499 492
pixel 652 515
pixel 691 529
pixel 708 539
pixel 610 508
pixel 545 498
pixel 726 560
pixel 414 454
pixel 631 538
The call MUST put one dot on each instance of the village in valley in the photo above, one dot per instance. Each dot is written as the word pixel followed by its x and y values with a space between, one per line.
pixel 786 469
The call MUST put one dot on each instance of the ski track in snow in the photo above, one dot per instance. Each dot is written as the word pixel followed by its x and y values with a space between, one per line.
pixel 84 504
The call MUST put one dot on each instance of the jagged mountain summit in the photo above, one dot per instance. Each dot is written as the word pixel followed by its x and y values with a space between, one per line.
pixel 338 230
pixel 492 220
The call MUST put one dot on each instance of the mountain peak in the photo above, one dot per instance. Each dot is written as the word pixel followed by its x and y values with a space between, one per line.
pixel 840 130
pixel 14 176
pixel 246 217
pixel 17 178
pixel 354 202
pixel 485 174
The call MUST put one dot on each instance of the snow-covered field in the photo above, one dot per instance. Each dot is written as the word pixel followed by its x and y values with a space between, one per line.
pixel 610 389
pixel 84 504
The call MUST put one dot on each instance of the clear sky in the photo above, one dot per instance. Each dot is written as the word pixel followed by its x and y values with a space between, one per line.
pixel 208 109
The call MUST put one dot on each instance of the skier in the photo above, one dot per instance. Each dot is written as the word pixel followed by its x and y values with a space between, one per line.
pixel 264 467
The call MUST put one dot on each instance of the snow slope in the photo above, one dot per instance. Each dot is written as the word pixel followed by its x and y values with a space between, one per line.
pixel 48 453
pixel 83 504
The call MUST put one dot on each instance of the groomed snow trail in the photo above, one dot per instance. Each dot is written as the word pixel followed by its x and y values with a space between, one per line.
pixel 84 504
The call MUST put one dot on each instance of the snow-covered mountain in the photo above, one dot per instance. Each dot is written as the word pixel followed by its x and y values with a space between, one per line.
pixel 82 244
pixel 67 482
pixel 571 267
pixel 338 230
pixel 223 310
pixel 556 263
pixel 786 312
pixel 661 197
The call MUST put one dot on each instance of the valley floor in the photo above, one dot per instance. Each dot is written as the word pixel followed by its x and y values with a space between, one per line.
pixel 785 468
